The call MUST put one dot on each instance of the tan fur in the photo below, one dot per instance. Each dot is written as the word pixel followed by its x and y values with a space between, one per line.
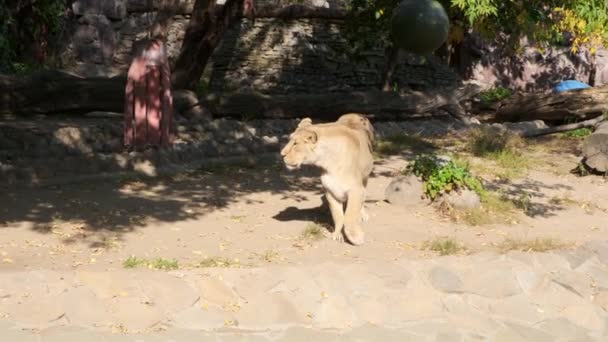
pixel 344 155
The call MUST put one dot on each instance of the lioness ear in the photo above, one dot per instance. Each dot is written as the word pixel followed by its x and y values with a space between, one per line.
pixel 305 122
pixel 312 137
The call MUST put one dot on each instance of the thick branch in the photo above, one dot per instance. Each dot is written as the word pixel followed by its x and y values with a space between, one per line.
pixel 580 104
pixel 564 128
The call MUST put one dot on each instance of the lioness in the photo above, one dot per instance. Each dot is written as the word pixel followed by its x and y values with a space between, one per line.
pixel 352 120
pixel 346 161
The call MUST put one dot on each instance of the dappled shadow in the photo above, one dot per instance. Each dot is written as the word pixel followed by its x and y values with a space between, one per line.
pixel 531 196
pixel 529 70
pixel 127 205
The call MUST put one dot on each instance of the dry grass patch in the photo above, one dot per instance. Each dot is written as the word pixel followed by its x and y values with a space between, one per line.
pixel 313 232
pixel 219 262
pixel 157 264
pixel 536 245
pixel 398 143
pixel 444 246
pixel 503 148
pixel 495 209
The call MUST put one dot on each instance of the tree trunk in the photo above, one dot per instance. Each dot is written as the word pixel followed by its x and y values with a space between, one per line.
pixel 580 104
pixel 595 148
pixel 203 34
pixel 392 58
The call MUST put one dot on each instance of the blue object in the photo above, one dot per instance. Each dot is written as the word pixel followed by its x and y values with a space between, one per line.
pixel 567 85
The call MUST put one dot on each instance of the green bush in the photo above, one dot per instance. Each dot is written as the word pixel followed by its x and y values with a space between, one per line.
pixel 441 177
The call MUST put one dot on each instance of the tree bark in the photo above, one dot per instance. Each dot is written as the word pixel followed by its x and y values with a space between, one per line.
pixel 392 58
pixel 580 104
pixel 203 34
pixel 595 148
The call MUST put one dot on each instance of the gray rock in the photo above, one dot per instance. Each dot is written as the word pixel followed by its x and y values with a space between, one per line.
pixel 463 200
pixel 94 40
pixel 404 191
pixel 445 280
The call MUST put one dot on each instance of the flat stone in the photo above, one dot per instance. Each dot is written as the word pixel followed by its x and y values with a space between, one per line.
pixel 580 284
pixel 199 318
pixel 84 309
pixel 372 333
pixel 300 334
pixel 445 280
pixel 601 299
pixel 563 328
pixel 167 292
pixel 530 280
pixel 492 282
pixel 135 315
pixel 8 332
pixel 278 312
pixel 216 292
pixel 513 332
pixel 586 315
pixel 73 334
pixel 518 308
pixel 596 270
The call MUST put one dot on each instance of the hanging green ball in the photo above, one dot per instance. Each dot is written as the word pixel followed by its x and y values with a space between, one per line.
pixel 420 26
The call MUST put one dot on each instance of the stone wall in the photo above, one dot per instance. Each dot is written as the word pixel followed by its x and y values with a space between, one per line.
pixel 66 149
pixel 270 55
pixel 306 55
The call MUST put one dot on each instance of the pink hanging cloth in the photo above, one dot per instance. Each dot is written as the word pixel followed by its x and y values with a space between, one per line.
pixel 148 99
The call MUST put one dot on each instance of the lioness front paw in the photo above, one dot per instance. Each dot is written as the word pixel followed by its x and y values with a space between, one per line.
pixel 355 235
pixel 364 215
pixel 337 235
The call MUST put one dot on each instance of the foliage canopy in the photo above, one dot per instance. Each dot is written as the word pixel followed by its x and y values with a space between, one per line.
pixel 584 22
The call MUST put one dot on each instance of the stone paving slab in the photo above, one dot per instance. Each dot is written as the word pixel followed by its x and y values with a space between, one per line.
pixel 512 297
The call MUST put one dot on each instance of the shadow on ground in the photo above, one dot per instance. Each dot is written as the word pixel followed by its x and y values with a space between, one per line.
pixel 126 205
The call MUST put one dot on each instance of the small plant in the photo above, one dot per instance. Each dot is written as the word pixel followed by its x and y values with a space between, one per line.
pixel 443 246
pixel 578 133
pixel 312 232
pixel 441 177
pixel 270 256
pixel 219 262
pixel 164 264
pixel 133 262
pixel 158 264
pixel 523 202
pixel 495 94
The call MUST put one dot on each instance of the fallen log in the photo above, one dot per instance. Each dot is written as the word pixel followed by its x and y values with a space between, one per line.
pixel 50 92
pixel 563 128
pixel 580 104
pixel 595 148
pixel 329 106
pixel 59 92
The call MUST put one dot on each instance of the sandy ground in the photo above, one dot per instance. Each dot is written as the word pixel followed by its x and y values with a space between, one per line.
pixel 257 215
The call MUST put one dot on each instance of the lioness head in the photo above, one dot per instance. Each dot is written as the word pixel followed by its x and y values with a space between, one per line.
pixel 359 122
pixel 300 148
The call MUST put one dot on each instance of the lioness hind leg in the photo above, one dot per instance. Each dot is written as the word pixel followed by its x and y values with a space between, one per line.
pixel 337 214
pixel 352 227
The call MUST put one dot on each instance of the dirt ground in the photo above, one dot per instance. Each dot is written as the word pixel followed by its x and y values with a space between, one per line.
pixel 251 216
